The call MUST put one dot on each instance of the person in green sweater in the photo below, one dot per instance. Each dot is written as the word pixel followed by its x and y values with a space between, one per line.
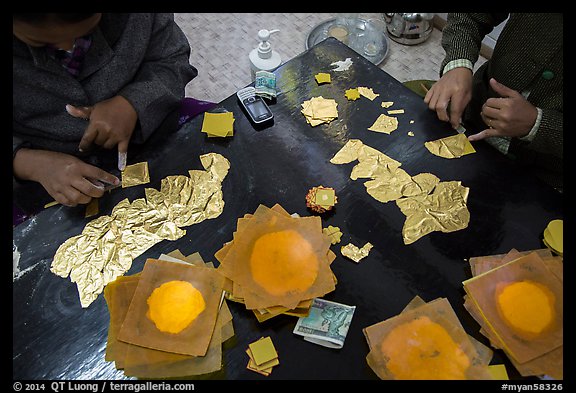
pixel 514 101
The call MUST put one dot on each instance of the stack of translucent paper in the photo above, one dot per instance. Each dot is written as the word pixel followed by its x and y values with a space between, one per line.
pixel 277 263
pixel 426 341
pixel 517 298
pixel 170 320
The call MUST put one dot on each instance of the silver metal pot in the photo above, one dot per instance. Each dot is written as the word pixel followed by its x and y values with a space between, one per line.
pixel 409 28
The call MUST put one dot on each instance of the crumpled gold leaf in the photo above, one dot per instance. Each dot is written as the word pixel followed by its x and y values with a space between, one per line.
pixel 454 146
pixel 385 124
pixel 348 153
pixel 444 210
pixel 356 254
pixel 135 174
pixel 367 92
pixel 108 244
pixel 388 185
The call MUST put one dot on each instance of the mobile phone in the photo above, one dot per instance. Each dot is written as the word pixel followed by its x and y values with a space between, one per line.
pixel 255 106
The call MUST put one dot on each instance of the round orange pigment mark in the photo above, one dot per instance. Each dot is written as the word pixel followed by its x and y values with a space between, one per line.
pixel 423 349
pixel 527 307
pixel 174 305
pixel 283 262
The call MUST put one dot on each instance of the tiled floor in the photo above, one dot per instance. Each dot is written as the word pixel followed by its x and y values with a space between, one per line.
pixel 221 42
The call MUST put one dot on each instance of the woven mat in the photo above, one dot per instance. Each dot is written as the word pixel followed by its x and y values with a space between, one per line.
pixel 221 43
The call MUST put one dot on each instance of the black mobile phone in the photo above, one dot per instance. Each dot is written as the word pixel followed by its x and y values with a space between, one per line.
pixel 254 105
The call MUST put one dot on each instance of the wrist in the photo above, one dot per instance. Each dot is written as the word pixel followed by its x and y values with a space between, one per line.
pixel 532 133
pixel 458 63
pixel 29 163
pixel 21 165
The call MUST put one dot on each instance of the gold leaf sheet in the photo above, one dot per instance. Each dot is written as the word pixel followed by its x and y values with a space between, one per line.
pixel 354 252
pixel 352 94
pixel 384 124
pixel 318 110
pixel 135 174
pixel 429 205
pixel 333 233
pixel 454 146
pixel 108 244
pixel 367 92
pixel 444 210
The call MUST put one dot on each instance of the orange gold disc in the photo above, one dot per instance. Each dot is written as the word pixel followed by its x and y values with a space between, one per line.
pixel 283 262
pixel 526 306
pixel 174 305
pixel 423 349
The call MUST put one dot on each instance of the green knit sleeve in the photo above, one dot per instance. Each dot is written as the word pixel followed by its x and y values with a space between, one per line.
pixel 463 34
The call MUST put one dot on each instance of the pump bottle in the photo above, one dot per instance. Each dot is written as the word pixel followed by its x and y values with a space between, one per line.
pixel 263 58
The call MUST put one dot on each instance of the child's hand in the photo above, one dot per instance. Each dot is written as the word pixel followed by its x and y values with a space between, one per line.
pixel 111 124
pixel 69 180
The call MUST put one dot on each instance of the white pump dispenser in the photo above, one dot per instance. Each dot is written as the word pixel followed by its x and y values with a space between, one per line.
pixel 263 58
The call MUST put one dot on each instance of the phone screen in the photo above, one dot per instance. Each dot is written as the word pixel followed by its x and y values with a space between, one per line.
pixel 257 108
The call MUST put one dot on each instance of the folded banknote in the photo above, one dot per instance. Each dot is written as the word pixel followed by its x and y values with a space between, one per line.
pixel 327 324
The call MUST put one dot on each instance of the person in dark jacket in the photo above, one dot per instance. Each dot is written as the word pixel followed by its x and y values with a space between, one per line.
pixel 515 100
pixel 85 88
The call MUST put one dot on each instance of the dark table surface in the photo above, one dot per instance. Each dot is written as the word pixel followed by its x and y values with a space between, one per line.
pixel 55 338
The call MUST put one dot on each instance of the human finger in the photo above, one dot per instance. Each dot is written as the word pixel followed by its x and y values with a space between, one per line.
pixel 82 112
pixel 489 132
pixel 88 138
pixel 72 197
pixel 439 104
pixel 99 177
pixel 122 159
pixel 456 109
pixel 489 121
pixel 502 90
pixel 490 112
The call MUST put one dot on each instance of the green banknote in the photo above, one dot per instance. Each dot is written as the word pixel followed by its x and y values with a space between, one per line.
pixel 265 84
pixel 327 324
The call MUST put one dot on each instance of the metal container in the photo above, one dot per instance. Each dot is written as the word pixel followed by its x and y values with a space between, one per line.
pixel 409 28
pixel 366 36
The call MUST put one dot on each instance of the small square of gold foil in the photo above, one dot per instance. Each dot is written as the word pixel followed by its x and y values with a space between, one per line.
pixel 135 174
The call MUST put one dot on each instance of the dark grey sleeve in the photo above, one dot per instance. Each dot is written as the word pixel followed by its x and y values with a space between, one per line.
pixel 463 34
pixel 159 85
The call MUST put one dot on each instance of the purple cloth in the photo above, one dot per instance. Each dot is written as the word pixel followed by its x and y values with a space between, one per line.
pixel 18 216
pixel 74 60
pixel 191 107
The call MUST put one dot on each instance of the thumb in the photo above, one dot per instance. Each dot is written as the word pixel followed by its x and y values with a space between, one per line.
pixel 82 112
pixel 503 91
pixel 482 134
